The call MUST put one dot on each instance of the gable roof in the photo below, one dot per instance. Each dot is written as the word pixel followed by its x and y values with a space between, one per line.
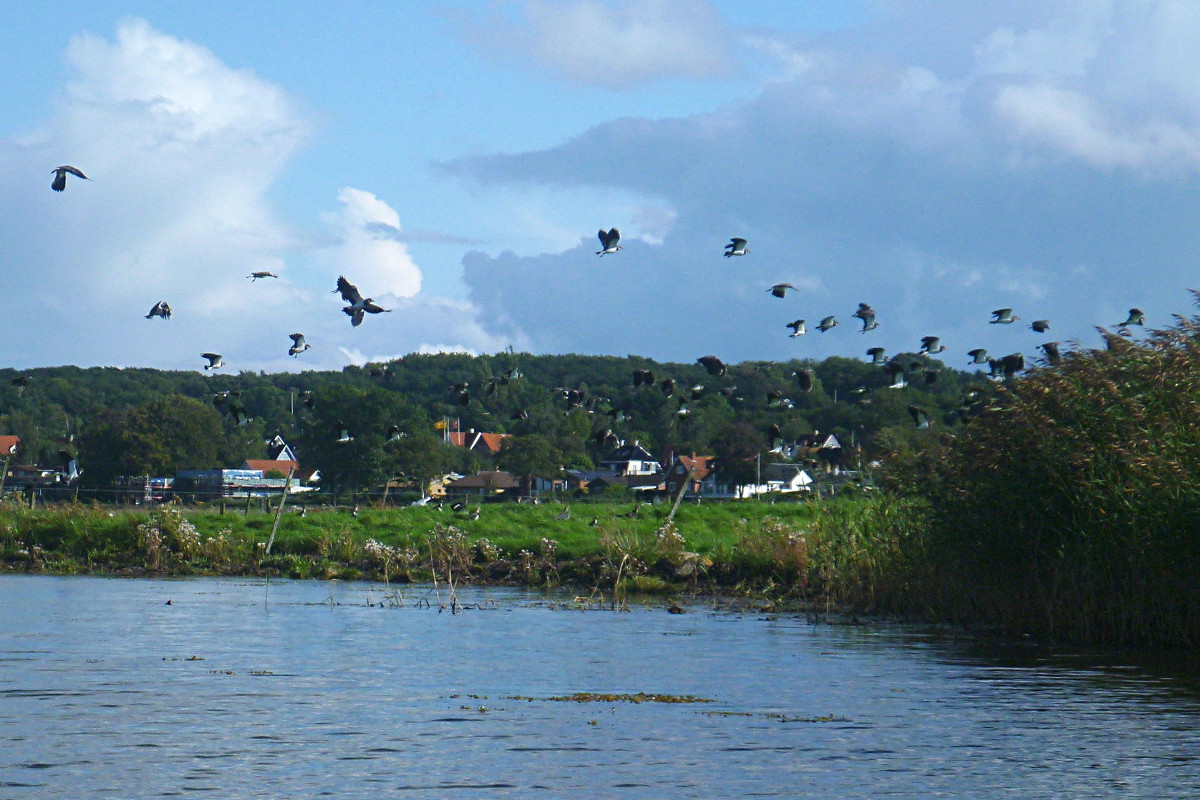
pixel 266 464
pixel 496 480
pixel 700 465
pixel 632 451
pixel 476 440
pixel 9 445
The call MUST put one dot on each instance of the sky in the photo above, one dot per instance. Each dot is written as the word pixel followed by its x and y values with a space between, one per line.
pixel 935 159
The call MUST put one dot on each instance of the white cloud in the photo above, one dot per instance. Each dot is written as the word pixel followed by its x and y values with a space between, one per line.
pixel 614 44
pixel 368 252
pixel 181 149
pixel 935 179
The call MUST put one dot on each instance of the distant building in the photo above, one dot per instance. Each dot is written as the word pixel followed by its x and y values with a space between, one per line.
pixel 484 483
pixel 9 445
pixel 631 459
pixel 485 444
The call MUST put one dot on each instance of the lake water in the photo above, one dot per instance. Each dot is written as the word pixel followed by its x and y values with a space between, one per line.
pixel 240 689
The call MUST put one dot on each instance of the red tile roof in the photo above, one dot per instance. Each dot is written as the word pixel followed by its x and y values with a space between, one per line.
pixel 9 445
pixel 264 464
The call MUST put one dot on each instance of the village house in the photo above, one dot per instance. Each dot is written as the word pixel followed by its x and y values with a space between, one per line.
pixel 704 479
pixel 631 459
pixel 484 484
pixel 478 442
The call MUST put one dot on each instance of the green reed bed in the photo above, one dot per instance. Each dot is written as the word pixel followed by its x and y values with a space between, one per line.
pixel 1071 508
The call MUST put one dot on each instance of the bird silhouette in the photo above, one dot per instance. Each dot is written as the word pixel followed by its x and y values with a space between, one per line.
pixel 780 289
pixel 1003 316
pixel 359 305
pixel 877 355
pixel 1136 317
pixel 214 360
pixel 161 309
pixel 253 276
pixel 867 315
pixel 298 344
pixel 60 176
pixel 714 365
pixel 978 356
pixel 643 377
pixel 804 379
pixel 610 241
pixel 736 247
pixel 797 327
pixel 1040 325
pixel 1050 349
pixel 920 417
pixel 828 323
pixel 931 344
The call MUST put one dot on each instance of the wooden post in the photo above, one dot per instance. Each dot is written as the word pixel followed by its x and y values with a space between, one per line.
pixel 279 512
pixel 679 495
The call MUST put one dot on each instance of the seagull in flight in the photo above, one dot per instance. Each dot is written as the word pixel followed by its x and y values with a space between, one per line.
pixel 736 247
pixel 359 305
pixel 214 360
pixel 253 276
pixel 161 309
pixel 610 241
pixel 60 176
pixel 298 344
pixel 797 327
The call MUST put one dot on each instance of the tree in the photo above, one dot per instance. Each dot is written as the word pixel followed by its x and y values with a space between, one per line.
pixel 423 457
pixel 532 456
pixel 738 448
pixel 160 437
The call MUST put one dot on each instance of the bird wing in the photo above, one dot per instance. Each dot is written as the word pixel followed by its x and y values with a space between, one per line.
pixel 297 338
pixel 371 307
pixel 73 170
pixel 212 357
pixel 349 291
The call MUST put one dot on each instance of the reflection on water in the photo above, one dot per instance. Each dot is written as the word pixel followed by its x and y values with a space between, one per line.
pixel 241 689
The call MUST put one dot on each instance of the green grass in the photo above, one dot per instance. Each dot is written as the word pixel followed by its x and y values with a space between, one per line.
pixel 807 552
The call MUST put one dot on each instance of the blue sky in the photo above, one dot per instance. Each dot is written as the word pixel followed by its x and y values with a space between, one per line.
pixel 935 159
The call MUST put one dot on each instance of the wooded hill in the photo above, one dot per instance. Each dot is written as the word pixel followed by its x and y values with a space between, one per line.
pixel 105 414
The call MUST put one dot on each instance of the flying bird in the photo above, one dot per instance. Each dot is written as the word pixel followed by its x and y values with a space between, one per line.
pixel 359 305
pixel 394 434
pixel 827 324
pixel 775 438
pixel 161 309
pixel 920 417
pixel 736 247
pixel 253 276
pixel 1040 325
pixel 797 327
pixel 978 356
pixel 804 379
pixel 643 377
pixel 877 355
pixel 1053 357
pixel 931 344
pixel 298 344
pixel 714 365
pixel 610 241
pixel 867 315
pixel 895 370
pixel 780 289
pixel 1003 316
pixel 343 433
pixel 60 176
pixel 214 360
pixel 19 383
pixel 1136 317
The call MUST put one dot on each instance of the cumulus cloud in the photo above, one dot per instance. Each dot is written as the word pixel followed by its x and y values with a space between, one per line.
pixel 936 180
pixel 369 251
pixel 181 149
pixel 613 44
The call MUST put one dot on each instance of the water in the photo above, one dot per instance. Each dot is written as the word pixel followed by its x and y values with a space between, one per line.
pixel 238 689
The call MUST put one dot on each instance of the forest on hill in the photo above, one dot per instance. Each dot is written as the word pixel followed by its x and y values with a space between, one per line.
pixel 132 421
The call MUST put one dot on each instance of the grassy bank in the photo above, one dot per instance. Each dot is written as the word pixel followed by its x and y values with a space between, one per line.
pixel 836 553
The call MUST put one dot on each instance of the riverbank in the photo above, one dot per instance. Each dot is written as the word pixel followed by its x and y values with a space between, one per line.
pixel 839 553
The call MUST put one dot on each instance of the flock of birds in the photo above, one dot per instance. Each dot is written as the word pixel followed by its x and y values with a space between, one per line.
pixel 357 306
pixel 899 370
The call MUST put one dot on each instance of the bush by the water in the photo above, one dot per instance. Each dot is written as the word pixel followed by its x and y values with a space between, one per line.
pixel 1070 505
